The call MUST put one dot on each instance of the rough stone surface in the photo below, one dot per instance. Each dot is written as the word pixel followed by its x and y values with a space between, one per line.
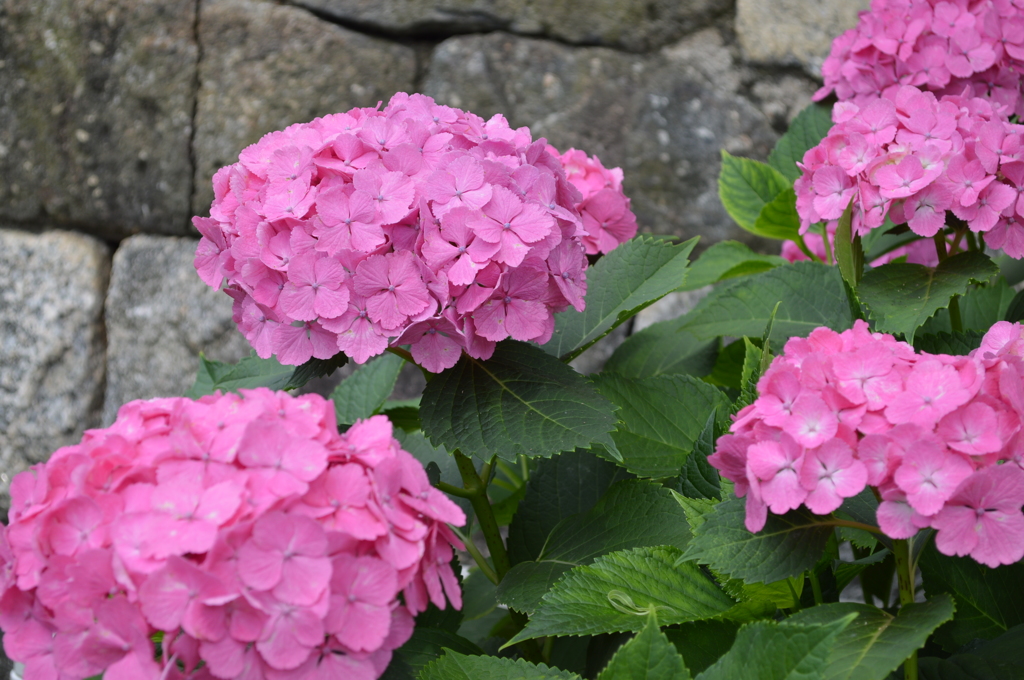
pixel 96 103
pixel 631 24
pixel 663 118
pixel 51 344
pixel 160 315
pixel 793 32
pixel 266 66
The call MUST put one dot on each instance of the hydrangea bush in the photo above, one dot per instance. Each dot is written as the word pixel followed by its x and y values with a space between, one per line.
pixel 818 472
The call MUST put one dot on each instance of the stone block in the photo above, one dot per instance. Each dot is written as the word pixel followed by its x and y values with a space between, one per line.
pixel 793 32
pixel 635 25
pixel 160 316
pixel 663 118
pixel 266 66
pixel 51 344
pixel 96 102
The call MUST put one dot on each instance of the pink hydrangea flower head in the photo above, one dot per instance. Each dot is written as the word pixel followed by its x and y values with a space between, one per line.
pixel 345 233
pixel 245 528
pixel 944 47
pixel 914 156
pixel 937 437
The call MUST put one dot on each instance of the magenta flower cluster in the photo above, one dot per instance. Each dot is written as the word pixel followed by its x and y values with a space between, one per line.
pixel 938 437
pixel 258 541
pixel 962 47
pixel 417 224
pixel 911 157
pixel 607 218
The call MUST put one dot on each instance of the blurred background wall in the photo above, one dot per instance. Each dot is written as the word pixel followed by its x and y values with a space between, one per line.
pixel 114 114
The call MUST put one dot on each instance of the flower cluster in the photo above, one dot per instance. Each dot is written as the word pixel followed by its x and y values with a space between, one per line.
pixel 605 210
pixel 947 47
pixel 417 224
pixel 244 531
pixel 911 157
pixel 939 437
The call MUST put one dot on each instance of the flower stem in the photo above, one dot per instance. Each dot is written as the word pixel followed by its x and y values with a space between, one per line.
pixel 905 578
pixel 477 556
pixel 802 245
pixel 476 489
pixel 954 304
pixel 404 353
pixel 815 587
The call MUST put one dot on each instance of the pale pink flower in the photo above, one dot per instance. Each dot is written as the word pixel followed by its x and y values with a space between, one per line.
pixel 983 518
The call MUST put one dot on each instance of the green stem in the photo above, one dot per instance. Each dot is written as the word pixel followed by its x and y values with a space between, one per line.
pixel 815 587
pixel 828 247
pixel 477 489
pixel 954 315
pixel 453 490
pixel 954 305
pixel 404 353
pixel 905 578
pixel 477 556
pixel 853 525
pixel 802 245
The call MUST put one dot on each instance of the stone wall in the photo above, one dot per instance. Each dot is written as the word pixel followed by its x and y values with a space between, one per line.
pixel 114 114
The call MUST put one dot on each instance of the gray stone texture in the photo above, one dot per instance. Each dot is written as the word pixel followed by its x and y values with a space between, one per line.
pixel 96 101
pixel 266 66
pixel 793 32
pixel 160 316
pixel 634 25
pixel 51 344
pixel 663 118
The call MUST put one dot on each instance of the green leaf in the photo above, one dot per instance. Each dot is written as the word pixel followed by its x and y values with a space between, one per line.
pixel 901 296
pixel 635 275
pixel 751 373
pixel 526 584
pixel 745 186
pixel 1015 310
pixel 698 479
pixel 958 344
pixel 778 651
pixel 788 544
pixel 663 348
pixel 812 295
pixel 618 591
pixel 660 418
pixel 998 659
pixel 454 666
pixel 728 370
pixel 632 514
pixel 805 132
pixel 703 642
pixel 849 253
pixel 427 644
pixel 364 392
pixel 980 308
pixel 728 259
pixel 648 656
pixel 315 368
pixel 845 572
pixel 520 401
pixel 559 487
pixel 249 373
pixel 988 601
pixel 779 218
pixel 876 643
